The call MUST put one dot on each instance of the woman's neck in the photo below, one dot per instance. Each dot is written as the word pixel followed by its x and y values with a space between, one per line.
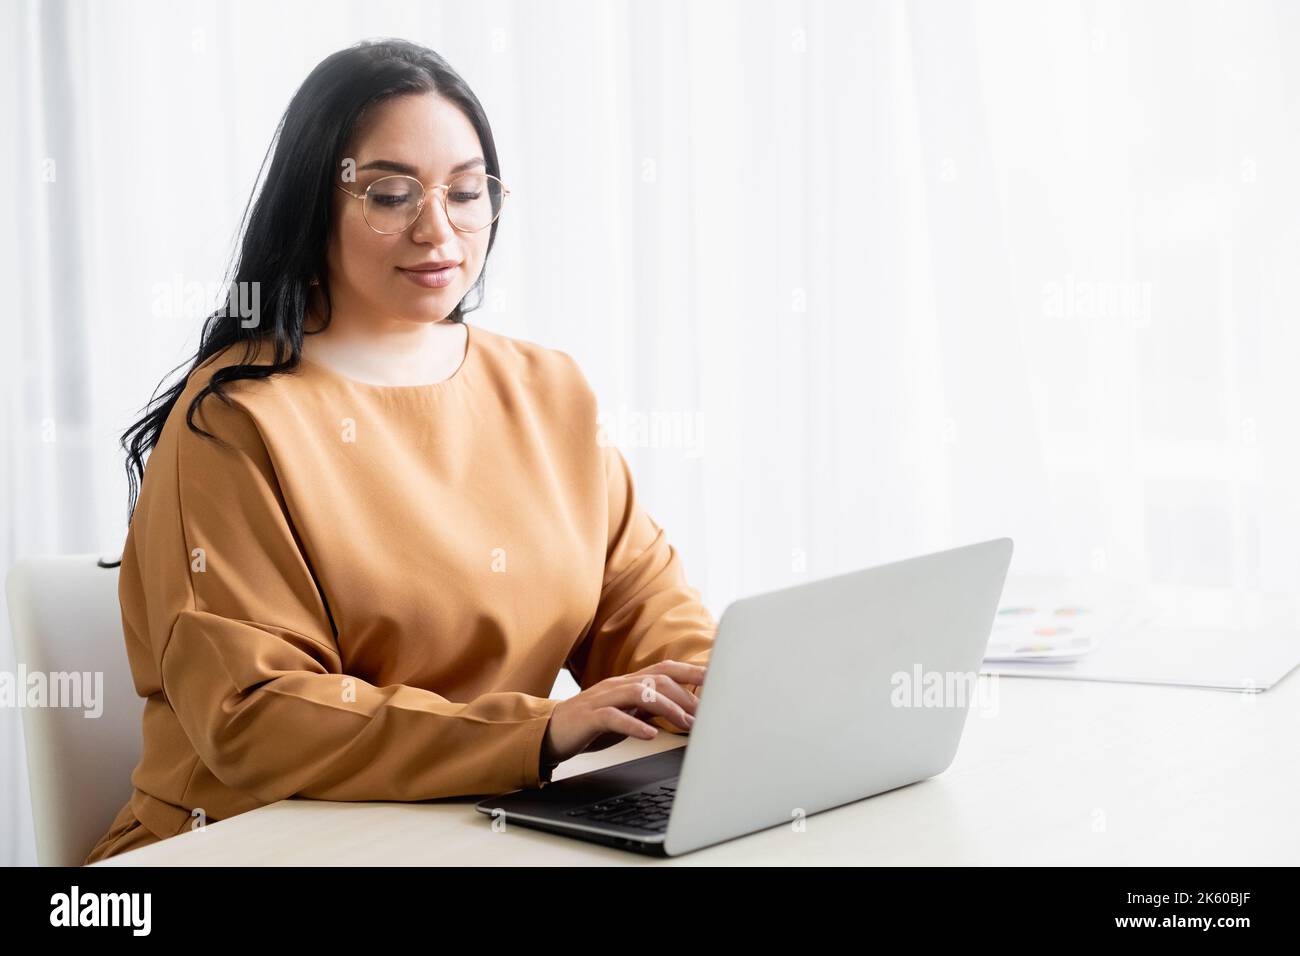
pixel 386 352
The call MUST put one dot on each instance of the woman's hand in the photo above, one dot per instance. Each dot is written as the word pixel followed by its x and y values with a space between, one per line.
pixel 620 707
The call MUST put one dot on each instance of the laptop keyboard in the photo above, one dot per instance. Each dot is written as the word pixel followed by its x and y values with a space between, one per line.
pixel 646 809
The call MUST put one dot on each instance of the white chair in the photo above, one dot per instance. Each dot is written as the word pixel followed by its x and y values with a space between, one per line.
pixel 66 618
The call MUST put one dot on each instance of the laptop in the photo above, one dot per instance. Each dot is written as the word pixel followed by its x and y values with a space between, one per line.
pixel 817 695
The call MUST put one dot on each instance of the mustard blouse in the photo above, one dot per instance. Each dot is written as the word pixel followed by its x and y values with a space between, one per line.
pixel 366 592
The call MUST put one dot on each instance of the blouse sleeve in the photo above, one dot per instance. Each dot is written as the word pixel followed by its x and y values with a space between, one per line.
pixel 249 662
pixel 647 611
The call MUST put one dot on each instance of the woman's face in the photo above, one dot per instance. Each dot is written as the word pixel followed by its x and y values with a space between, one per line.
pixel 375 277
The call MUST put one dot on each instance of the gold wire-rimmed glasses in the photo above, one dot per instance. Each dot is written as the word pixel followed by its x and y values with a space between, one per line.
pixel 392 204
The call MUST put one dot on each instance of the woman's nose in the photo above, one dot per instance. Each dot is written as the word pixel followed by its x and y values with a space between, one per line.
pixel 432 225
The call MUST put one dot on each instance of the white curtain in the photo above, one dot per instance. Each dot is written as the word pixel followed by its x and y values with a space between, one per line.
pixel 853 280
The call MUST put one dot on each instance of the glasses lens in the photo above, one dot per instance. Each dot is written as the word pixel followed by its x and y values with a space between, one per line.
pixel 392 203
pixel 474 201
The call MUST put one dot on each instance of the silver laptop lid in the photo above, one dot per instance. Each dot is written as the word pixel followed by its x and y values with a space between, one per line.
pixel 827 692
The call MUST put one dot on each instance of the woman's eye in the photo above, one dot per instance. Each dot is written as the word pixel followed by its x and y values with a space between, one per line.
pixel 465 197
pixel 391 200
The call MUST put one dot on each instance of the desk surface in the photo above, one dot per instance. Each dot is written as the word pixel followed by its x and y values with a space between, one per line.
pixel 1048 772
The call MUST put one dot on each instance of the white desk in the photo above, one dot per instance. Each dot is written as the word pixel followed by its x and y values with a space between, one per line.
pixel 1065 772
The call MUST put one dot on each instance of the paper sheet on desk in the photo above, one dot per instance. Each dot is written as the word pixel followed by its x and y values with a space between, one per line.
pixel 1223 658
pixel 1137 638
pixel 1050 629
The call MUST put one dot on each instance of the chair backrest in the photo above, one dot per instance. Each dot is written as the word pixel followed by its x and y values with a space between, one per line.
pixel 67 622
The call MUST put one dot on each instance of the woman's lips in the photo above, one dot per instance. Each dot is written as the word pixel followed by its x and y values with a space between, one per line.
pixel 430 278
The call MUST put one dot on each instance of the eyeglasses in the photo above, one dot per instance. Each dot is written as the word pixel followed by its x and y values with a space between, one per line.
pixel 391 204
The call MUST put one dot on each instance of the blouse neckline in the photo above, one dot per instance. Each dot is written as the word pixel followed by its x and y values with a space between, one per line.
pixel 455 378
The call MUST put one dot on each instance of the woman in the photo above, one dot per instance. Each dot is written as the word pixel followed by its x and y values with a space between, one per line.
pixel 369 534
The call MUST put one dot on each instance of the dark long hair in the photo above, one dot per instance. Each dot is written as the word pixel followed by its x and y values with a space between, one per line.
pixel 286 225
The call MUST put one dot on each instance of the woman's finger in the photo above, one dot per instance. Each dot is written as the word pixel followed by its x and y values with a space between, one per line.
pixel 632 694
pixel 679 671
pixel 620 722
